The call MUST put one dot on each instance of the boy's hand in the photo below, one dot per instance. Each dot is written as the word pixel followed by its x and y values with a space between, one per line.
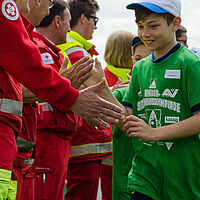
pixel 93 108
pixel 119 83
pixel 136 127
pixel 96 75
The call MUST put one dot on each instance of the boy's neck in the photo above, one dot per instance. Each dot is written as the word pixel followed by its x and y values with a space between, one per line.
pixel 161 52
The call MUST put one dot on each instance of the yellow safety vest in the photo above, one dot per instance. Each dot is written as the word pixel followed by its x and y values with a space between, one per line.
pixel 75 42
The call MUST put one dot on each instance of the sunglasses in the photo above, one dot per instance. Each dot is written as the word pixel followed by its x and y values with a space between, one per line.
pixel 96 19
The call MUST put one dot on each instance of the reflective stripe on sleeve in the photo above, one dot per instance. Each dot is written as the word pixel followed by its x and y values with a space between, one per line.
pixel 75 49
pixel 30 161
pixel 107 161
pixel 11 107
pixel 91 149
pixel 47 107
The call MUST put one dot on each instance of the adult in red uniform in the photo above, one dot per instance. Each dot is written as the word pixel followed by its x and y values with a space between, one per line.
pixel 89 145
pixel 55 128
pixel 23 170
pixel 19 62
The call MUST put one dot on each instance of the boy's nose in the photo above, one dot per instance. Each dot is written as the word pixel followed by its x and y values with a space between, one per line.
pixel 146 32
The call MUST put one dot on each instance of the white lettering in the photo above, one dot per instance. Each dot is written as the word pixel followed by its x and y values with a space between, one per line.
pixel 171 105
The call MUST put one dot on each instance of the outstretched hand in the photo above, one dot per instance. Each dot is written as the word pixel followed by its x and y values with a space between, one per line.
pixel 119 83
pixel 136 127
pixel 95 109
pixel 78 72
pixel 96 75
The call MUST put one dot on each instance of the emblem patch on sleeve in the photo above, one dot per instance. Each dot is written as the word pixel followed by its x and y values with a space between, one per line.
pixel 47 58
pixel 10 10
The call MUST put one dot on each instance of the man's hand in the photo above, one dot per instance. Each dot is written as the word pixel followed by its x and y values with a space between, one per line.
pixel 96 75
pixel 78 72
pixel 136 127
pixel 95 109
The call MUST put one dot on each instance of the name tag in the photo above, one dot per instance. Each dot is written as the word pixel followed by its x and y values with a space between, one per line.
pixel 173 74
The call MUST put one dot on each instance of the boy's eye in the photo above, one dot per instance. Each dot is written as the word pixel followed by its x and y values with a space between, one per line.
pixel 140 27
pixel 154 26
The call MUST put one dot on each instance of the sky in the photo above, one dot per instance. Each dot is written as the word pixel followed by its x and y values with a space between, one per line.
pixel 114 16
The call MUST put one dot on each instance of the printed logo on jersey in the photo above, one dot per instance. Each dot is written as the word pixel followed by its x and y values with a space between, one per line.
pixel 47 58
pixel 153 84
pixel 151 93
pixel 140 93
pixel 153 117
pixel 170 93
pixel 164 103
pixel 142 116
pixel 168 145
pixel 10 10
pixel 171 120
pixel 173 74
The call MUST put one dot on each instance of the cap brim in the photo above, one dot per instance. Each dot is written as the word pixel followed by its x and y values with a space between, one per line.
pixel 150 6
pixel 136 40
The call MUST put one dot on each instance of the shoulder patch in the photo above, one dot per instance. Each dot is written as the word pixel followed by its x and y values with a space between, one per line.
pixel 10 10
pixel 47 58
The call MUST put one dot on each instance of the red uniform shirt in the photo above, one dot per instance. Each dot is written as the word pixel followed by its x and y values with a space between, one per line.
pixel 20 58
pixel 53 120
pixel 89 143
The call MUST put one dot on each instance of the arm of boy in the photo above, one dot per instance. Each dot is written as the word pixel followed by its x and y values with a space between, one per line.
pixel 96 75
pixel 136 127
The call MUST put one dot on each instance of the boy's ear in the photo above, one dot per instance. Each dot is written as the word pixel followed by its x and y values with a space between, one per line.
pixel 176 23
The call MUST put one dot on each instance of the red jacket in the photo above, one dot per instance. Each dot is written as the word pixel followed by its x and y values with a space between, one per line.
pixel 53 120
pixel 88 143
pixel 20 58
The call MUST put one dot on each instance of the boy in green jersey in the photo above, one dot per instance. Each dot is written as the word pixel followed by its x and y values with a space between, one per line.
pixel 164 96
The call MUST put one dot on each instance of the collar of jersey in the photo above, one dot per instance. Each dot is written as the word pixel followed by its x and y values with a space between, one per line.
pixel 167 55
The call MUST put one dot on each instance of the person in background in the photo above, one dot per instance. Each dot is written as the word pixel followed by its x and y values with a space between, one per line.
pixel 123 149
pixel 117 55
pixel 54 130
pixel 181 36
pixel 22 169
pixel 89 145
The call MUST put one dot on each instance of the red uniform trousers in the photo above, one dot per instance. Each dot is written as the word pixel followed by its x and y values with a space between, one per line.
pixel 84 170
pixel 25 178
pixel 83 180
pixel 22 167
pixel 106 181
pixel 8 143
pixel 51 160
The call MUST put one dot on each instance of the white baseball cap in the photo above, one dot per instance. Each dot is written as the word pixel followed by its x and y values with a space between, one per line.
pixel 159 6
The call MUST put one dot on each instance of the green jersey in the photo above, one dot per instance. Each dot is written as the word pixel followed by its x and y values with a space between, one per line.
pixel 161 94
pixel 122 157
